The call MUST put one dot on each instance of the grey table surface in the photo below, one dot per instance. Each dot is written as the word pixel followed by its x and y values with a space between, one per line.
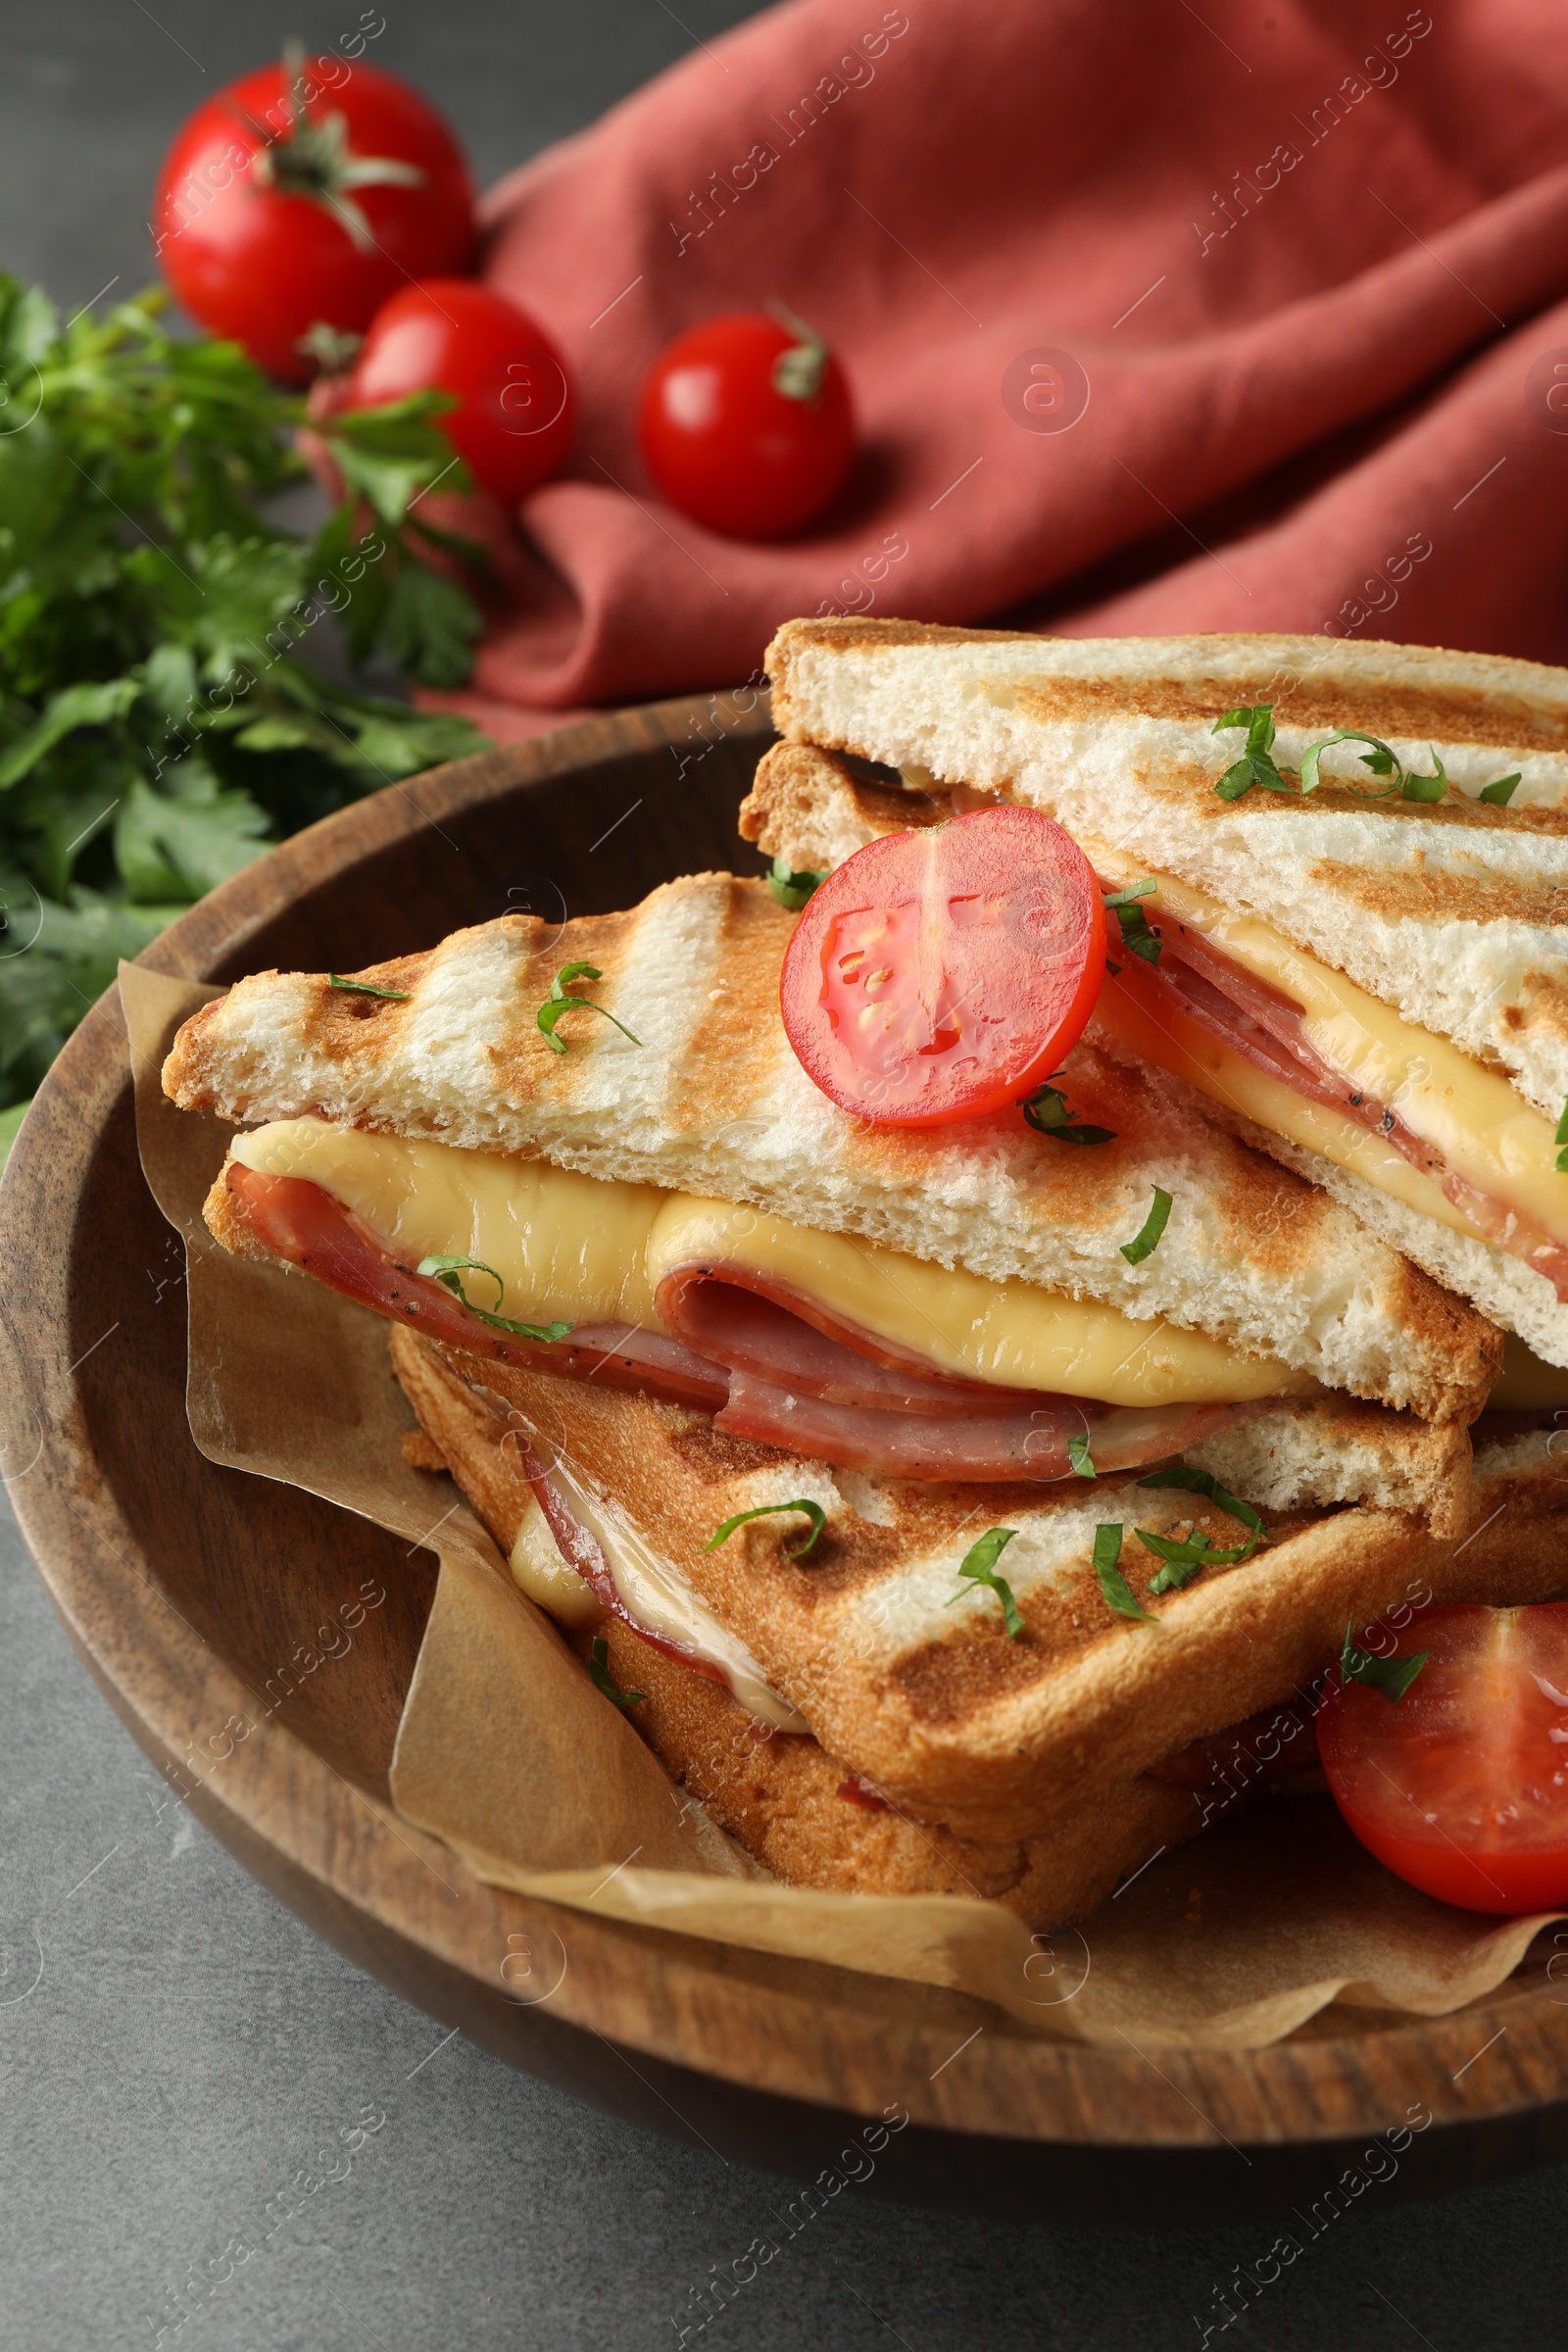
pixel 175 2047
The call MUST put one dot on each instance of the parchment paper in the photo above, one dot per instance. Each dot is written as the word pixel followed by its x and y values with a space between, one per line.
pixel 506 1751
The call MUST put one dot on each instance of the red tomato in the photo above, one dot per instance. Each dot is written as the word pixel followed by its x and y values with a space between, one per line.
pixel 514 420
pixel 941 974
pixel 293 200
pixel 746 425
pixel 1461 1785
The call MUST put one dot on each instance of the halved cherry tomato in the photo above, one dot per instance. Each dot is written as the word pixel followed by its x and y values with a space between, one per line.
pixel 745 423
pixel 514 419
pixel 941 974
pixel 1461 1785
pixel 300 197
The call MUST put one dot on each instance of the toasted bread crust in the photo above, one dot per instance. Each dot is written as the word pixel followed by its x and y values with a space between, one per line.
pixel 779 1795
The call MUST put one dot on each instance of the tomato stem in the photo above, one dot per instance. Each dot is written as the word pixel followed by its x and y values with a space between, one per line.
pixel 313 159
pixel 797 372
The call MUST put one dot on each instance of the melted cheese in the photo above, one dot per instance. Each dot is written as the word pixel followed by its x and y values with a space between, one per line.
pixel 1471 1116
pixel 660 1598
pixel 567 1247
pixel 583 1250
pixel 1013 1334
pixel 539 1570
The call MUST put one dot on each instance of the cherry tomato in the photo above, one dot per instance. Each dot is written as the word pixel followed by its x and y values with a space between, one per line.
pixel 940 974
pixel 300 196
pixel 1461 1785
pixel 514 419
pixel 746 424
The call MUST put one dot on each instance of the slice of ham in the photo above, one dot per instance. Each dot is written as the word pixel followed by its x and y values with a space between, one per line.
pixel 964 1449
pixel 756 1324
pixel 1266 1028
pixel 300 1222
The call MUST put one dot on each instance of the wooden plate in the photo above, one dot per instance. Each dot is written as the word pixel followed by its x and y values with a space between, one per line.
pixel 184 1585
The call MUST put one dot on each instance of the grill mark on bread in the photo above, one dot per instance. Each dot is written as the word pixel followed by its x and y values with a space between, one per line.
pixel 343 1025
pixel 1421 713
pixel 1420 893
pixel 739 1040
pixel 525 1067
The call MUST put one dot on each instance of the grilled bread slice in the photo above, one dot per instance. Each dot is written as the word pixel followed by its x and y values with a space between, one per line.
pixel 905 1674
pixel 1448 912
pixel 796 1809
pixel 712 1101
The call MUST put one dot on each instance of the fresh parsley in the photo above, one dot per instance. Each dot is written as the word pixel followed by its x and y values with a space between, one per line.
pixel 362 988
pixel 448 1272
pixel 1136 936
pixel 1114 1586
pixel 559 1002
pixel 1391 1676
pixel 1145 1241
pixel 1256 765
pixel 602 1680
pixel 162 721
pixel 979 1565
pixel 1046 1111
pixel 1078 1453
pixel 764 1510
pixel 1561 1137
pixel 1183 1555
pixel 791 890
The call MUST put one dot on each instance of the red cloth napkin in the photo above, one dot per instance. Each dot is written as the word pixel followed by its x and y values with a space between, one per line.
pixel 1156 320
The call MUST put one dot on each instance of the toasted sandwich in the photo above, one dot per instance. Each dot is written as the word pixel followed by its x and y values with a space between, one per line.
pixel 769 1391
pixel 1352 868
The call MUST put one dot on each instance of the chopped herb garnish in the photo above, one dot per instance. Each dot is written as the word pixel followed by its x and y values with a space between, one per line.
pixel 1114 1585
pixel 1382 760
pixel 1079 1455
pixel 1183 1555
pixel 449 1271
pixel 1145 1241
pixel 979 1565
pixel 1257 763
pixel 602 1680
pixel 1136 935
pixel 558 1002
pixel 362 988
pixel 1205 1483
pixel 1561 1136
pixel 795 1551
pixel 1391 1676
pixel 1046 1111
pixel 791 890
